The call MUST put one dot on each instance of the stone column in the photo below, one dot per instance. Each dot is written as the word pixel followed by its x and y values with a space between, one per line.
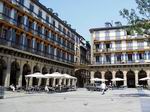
pixel 136 77
pixel 40 79
pixel 68 82
pixel 31 79
pixel 20 75
pixel 113 76
pixel 148 75
pixel 125 78
pixel 60 80
pixel 92 76
pixel 7 79
pixel 103 74
pixel 54 82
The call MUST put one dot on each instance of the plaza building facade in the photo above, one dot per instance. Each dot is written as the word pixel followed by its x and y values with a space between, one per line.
pixel 34 39
pixel 116 53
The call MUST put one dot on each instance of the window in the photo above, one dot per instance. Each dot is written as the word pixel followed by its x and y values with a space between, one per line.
pixel 97 35
pixel 118 56
pixel 28 43
pixel 21 2
pixel 118 34
pixel 59 28
pixel 68 34
pixel 107 37
pixel 118 45
pixel 130 57
pixel 53 23
pixel 141 56
pixel 47 19
pixel 3 33
pixel 64 30
pixel 97 59
pixel 40 14
pixel 38 47
pixel 108 59
pixel 6 10
pixel 140 44
pixel 31 7
pixel 129 45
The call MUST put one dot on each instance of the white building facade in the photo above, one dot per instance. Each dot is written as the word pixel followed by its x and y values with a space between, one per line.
pixel 115 53
pixel 33 39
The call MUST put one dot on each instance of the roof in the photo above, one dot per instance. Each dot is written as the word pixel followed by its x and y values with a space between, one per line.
pixel 107 28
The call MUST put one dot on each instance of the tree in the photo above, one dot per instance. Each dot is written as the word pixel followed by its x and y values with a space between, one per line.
pixel 139 20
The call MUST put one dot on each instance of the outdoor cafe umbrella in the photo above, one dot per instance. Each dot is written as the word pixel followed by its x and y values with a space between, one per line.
pixel 36 75
pixel 54 75
pixel 68 76
pixel 144 79
pixel 98 79
pixel 117 79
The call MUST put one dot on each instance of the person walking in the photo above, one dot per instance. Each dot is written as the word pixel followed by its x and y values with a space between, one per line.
pixel 103 86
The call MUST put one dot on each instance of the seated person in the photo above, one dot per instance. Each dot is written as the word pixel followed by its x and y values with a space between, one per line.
pixel 12 87
pixel 46 88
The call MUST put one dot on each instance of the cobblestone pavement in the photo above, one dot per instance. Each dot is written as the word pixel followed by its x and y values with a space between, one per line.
pixel 127 100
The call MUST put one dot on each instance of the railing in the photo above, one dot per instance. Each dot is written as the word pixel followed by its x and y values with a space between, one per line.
pixel 36 32
pixel 116 49
pixel 121 62
pixel 9 43
pixel 51 25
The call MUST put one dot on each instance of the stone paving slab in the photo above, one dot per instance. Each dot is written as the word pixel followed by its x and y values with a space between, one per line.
pixel 127 100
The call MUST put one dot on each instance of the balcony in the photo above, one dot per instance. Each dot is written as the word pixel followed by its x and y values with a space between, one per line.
pixel 11 44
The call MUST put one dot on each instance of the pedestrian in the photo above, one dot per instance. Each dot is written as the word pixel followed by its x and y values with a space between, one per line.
pixel 103 86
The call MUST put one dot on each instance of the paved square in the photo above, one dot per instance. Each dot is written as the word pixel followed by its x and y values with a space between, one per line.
pixel 127 100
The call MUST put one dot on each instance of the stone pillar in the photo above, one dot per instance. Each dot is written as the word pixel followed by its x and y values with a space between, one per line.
pixel 113 76
pixel 125 78
pixel 31 79
pixel 7 79
pixel 20 75
pixel 40 79
pixel 54 82
pixel 68 82
pixel 60 80
pixel 103 74
pixel 136 78
pixel 92 76
pixel 148 75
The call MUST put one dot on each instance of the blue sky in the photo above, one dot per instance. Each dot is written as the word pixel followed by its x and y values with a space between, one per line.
pixel 86 14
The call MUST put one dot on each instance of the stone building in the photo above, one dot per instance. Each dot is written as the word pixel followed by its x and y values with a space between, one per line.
pixel 116 53
pixel 33 39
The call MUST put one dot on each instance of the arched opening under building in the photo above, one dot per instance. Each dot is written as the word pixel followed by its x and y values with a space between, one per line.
pixel 44 71
pixel 26 71
pixel 62 71
pixel 35 70
pixel 142 74
pixel 51 70
pixel 131 79
pixel 97 75
pixel 67 72
pixel 119 74
pixel 57 70
pixel 14 74
pixel 81 77
pixel 108 77
pixel 3 69
pixel 51 80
